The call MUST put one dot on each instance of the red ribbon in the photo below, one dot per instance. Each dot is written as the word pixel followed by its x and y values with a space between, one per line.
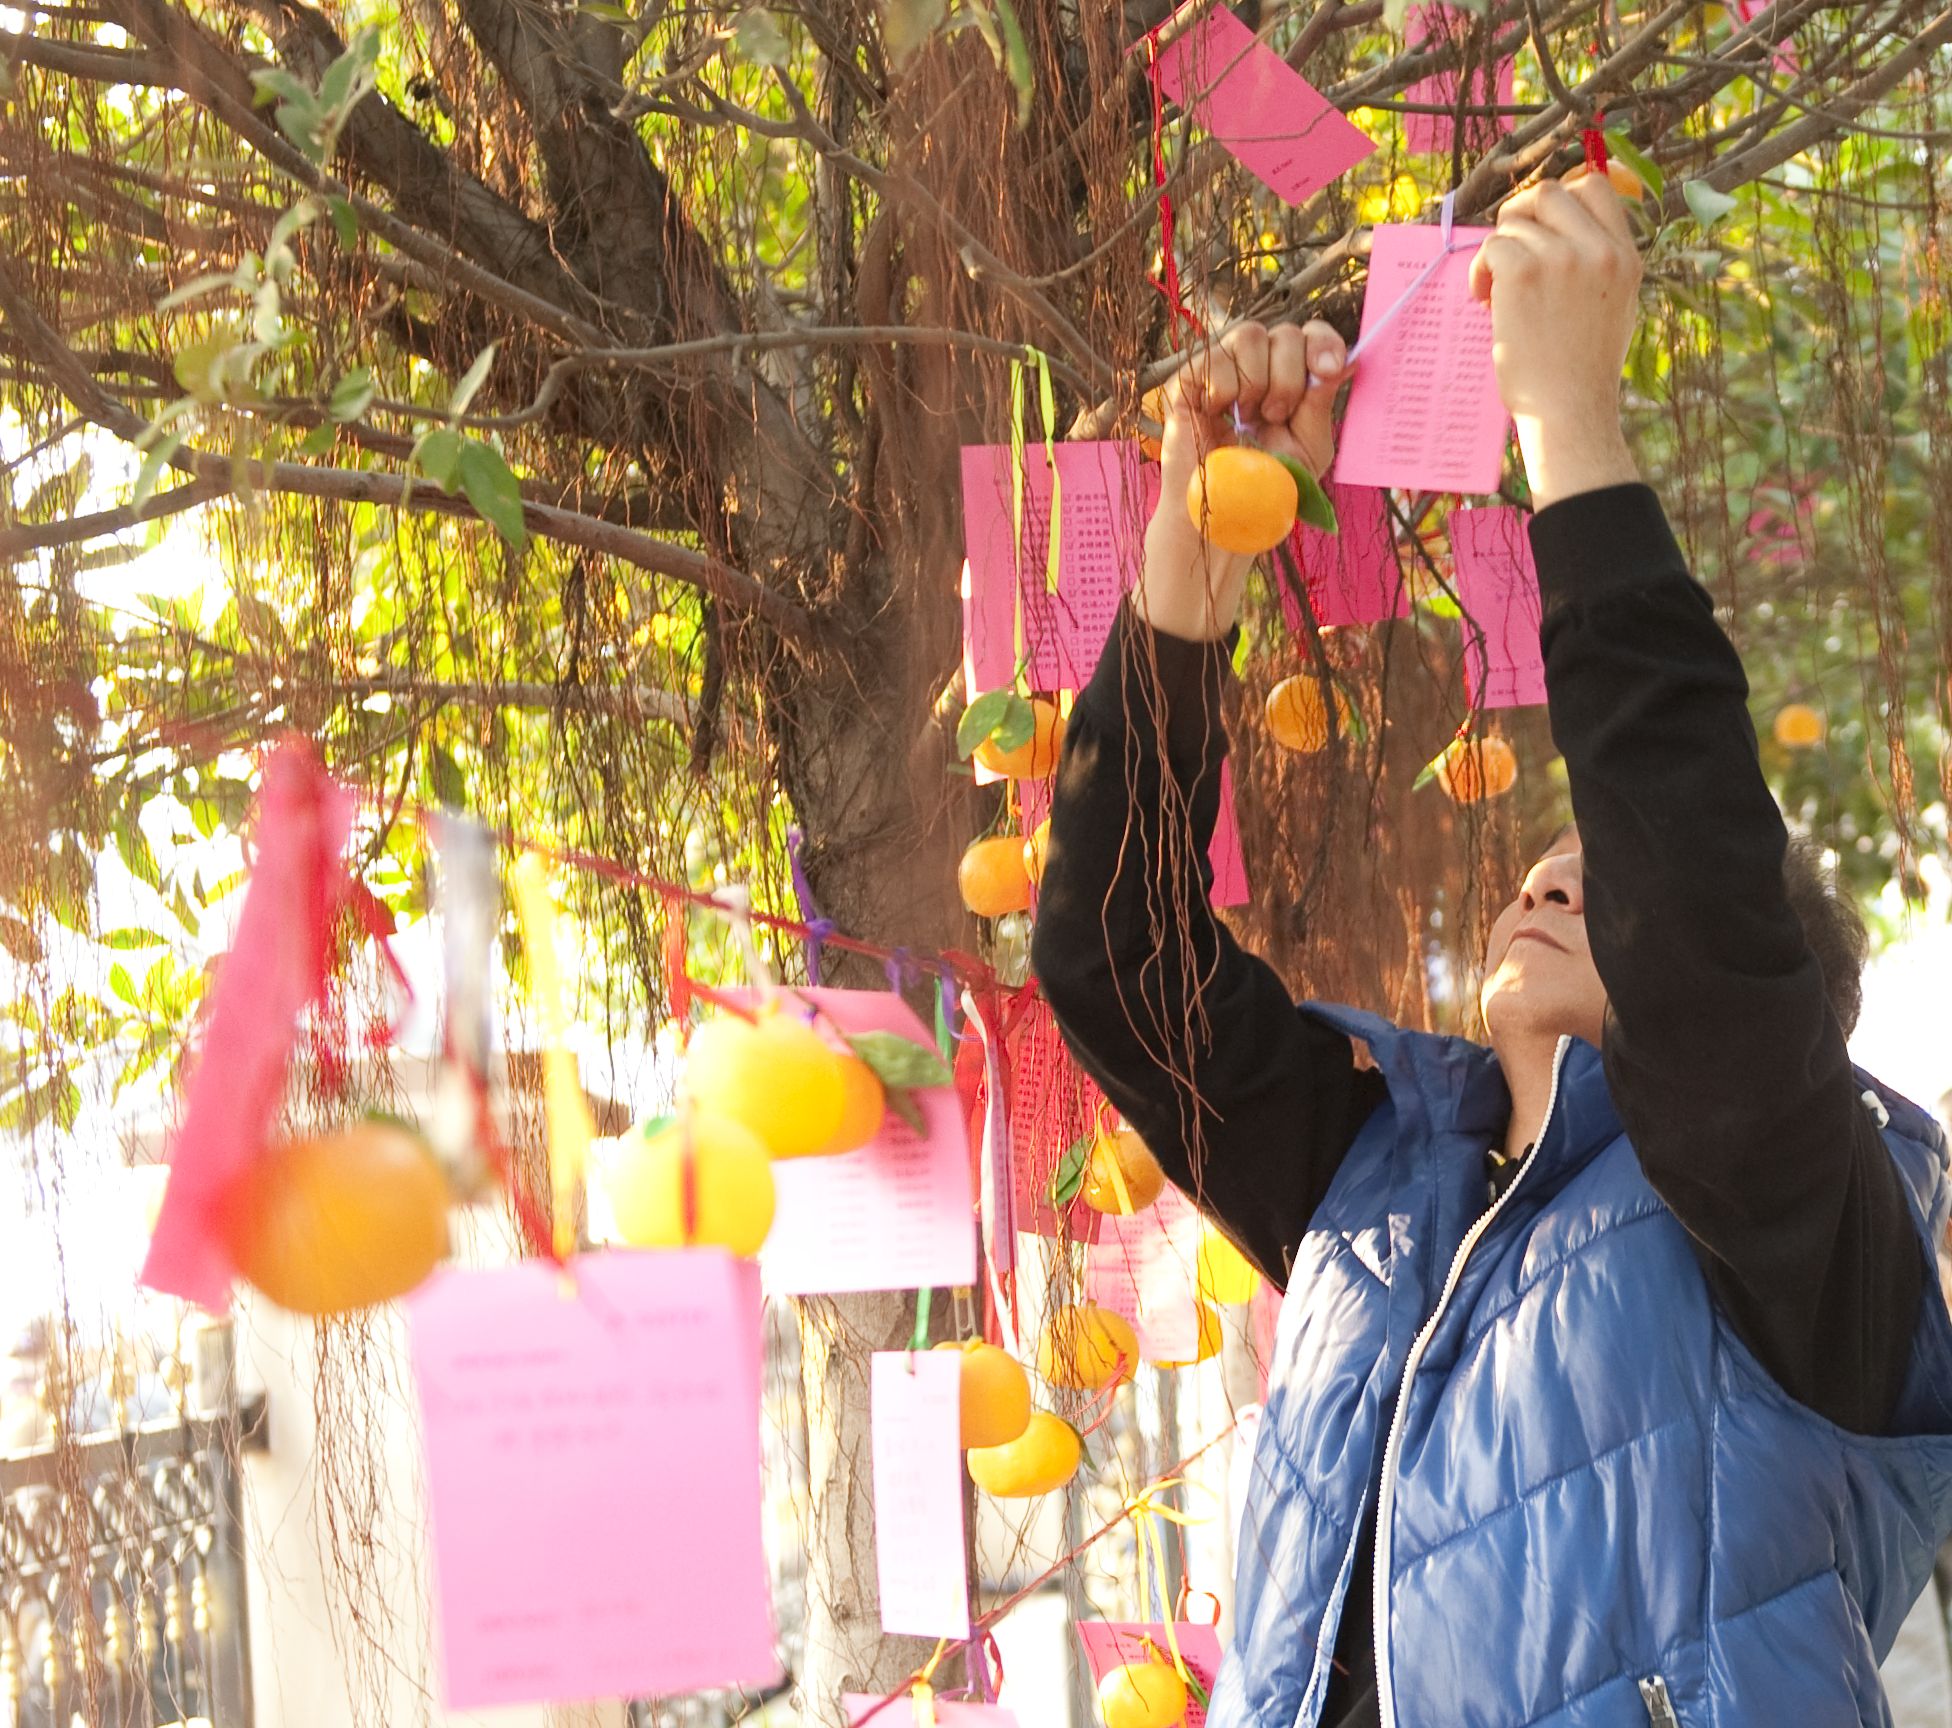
pixel 1167 245
pixel 1594 140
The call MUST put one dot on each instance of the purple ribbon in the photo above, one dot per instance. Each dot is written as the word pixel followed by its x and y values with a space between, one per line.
pixel 818 928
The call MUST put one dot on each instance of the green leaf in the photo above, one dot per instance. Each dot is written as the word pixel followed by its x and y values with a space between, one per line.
pixel 907 24
pixel 900 1062
pixel 129 938
pixel 438 456
pixel 137 854
pixel 124 985
pixel 1001 717
pixel 1315 506
pixel 1623 148
pixel 1016 60
pixel 345 219
pixel 901 1100
pixel 353 394
pixel 444 773
pixel 1068 1178
pixel 153 464
pixel 471 382
pixel 493 490
pixel 320 439
pixel 760 38
pixel 1708 205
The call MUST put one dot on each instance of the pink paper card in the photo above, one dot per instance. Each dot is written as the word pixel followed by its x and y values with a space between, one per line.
pixel 877 1712
pixel 1785 58
pixel 1424 411
pixel 1498 587
pixel 1490 87
pixel 1110 1644
pixel 916 1441
pixel 1353 577
pixel 593 1477
pixel 1224 854
pixel 1101 529
pixel 1267 116
pixel 897 1214
pixel 1053 1104
pixel 1145 1268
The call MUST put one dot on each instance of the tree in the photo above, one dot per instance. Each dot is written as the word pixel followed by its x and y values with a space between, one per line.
pixel 573 396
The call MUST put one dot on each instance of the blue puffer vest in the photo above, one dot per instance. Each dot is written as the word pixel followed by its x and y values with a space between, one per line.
pixel 1594 1507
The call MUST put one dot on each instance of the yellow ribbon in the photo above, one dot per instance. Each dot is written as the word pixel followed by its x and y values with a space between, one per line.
pixel 1143 1508
pixel 922 1692
pixel 571 1127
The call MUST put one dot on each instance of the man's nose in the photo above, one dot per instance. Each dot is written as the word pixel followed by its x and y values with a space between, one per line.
pixel 1555 881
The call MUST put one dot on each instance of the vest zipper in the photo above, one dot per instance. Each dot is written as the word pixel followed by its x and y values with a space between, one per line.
pixel 1386 1492
pixel 1660 1707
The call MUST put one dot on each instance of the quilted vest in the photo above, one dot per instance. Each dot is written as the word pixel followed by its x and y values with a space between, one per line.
pixel 1592 1504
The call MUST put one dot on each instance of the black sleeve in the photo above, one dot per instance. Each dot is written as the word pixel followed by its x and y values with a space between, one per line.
pixel 1725 1059
pixel 1154 996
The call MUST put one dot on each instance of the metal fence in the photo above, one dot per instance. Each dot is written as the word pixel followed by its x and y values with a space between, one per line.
pixel 122 1599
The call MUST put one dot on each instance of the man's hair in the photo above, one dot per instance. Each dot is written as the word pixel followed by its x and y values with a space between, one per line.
pixel 1831 926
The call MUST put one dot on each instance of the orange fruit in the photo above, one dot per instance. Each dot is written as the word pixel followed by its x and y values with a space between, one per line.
pixel 992 877
pixel 1043 1457
pixel 1800 727
pixel 1153 407
pixel 1209 1345
pixel 863 1106
pixel 1142 1695
pixel 338 1222
pixel 1622 179
pixel 731 1181
pixel 1296 717
pixel 1132 1160
pixel 1036 757
pixel 1225 1274
pixel 1087 1348
pixel 1242 500
pixel 1474 769
pixel 773 1074
pixel 1035 850
pixel 995 1394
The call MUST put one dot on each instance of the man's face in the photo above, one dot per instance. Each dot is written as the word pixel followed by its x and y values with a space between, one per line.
pixel 1538 969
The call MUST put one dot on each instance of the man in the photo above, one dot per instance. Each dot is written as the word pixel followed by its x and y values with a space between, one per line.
pixel 1603 1392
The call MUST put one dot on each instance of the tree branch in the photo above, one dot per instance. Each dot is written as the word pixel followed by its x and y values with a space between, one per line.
pixel 392 491
pixel 18 541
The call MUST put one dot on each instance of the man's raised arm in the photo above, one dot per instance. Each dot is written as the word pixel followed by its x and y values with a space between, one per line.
pixel 1151 991
pixel 1725 1057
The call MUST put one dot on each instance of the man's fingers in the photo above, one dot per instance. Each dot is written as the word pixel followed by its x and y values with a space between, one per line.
pixel 1249 346
pixel 1517 250
pixel 1594 194
pixel 1287 373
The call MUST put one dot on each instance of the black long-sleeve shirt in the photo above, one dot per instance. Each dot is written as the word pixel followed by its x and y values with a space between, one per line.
pixel 1724 1058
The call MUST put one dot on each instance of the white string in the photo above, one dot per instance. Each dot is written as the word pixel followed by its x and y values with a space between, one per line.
pixel 1416 282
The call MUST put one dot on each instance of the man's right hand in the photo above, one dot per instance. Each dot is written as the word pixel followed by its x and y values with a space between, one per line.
pixel 1283 381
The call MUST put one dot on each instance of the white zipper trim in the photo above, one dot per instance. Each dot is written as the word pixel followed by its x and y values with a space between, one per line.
pixel 1386 1493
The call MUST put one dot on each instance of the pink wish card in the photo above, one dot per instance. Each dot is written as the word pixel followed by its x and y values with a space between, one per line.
pixel 897 1214
pixel 593 1477
pixel 916 1442
pixel 1267 116
pixel 1053 1105
pixel 1110 1644
pixel 1498 587
pixel 1489 87
pixel 1785 58
pixel 1101 529
pixel 1224 854
pixel 1146 1269
pixel 876 1712
pixel 1353 577
pixel 1424 411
